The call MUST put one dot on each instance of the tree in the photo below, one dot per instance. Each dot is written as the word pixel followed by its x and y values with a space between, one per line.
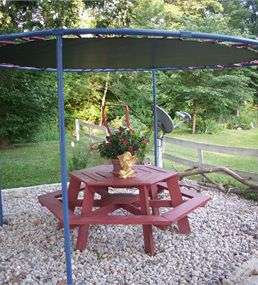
pixel 30 15
pixel 205 94
pixel 242 15
pixel 27 99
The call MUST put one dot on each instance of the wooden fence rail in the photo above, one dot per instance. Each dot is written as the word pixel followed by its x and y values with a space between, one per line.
pixel 200 148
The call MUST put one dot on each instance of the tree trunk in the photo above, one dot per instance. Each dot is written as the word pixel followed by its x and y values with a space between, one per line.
pixel 194 122
pixel 103 101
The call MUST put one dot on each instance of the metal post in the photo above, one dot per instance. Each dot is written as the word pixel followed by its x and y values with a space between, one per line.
pixel 1 210
pixel 77 129
pixel 61 122
pixel 160 152
pixel 155 120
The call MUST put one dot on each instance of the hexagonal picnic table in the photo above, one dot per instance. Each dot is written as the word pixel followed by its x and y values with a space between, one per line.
pixel 142 208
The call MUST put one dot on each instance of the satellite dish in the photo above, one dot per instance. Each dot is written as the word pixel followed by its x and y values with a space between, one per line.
pixel 185 116
pixel 165 122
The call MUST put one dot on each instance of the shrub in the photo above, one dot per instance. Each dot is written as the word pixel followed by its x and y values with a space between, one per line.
pixel 26 99
pixel 245 121
pixel 82 156
pixel 47 131
pixel 208 126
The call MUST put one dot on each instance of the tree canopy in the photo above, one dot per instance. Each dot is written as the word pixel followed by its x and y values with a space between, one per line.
pixel 207 95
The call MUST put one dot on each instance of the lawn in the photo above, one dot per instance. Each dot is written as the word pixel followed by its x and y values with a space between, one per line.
pixel 29 164
pixel 38 163
pixel 235 138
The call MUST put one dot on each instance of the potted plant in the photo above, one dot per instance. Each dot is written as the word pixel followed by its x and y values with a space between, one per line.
pixel 122 141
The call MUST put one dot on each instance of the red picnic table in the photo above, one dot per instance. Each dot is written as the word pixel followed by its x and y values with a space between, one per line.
pixel 142 208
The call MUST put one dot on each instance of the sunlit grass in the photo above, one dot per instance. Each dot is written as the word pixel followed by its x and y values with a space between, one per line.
pixel 38 163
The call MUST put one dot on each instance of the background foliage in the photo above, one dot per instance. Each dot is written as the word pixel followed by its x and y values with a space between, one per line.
pixel 215 99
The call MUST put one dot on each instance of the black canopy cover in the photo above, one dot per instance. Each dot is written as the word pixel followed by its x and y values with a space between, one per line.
pixel 126 53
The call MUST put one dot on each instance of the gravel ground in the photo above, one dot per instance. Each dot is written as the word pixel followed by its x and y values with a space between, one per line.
pixel 224 235
pixel 246 274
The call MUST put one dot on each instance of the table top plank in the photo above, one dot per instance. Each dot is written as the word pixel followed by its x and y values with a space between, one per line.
pixel 102 176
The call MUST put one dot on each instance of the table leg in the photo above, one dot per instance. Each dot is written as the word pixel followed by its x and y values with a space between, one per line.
pixel 102 191
pixel 83 231
pixel 177 199
pixel 154 196
pixel 149 245
pixel 73 191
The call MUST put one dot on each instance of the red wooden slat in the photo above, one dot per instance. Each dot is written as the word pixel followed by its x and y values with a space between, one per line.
pixel 185 208
pixel 105 210
pixel 120 198
pixel 187 193
pixel 83 231
pixel 149 245
pixel 177 199
pixel 104 174
pixel 73 192
pixel 124 220
pixel 88 176
pixel 97 203
pixel 131 209
pixel 160 203
pixel 54 206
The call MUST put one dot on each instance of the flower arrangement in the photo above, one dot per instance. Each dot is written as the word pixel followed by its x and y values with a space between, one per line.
pixel 123 140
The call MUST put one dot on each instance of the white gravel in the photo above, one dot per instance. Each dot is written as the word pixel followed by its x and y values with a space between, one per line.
pixel 224 235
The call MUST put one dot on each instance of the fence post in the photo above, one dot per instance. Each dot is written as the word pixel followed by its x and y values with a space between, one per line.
pixel 77 129
pixel 200 156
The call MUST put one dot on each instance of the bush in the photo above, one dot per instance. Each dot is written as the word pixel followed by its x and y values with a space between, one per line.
pixel 244 121
pixel 136 124
pixel 26 99
pixel 47 131
pixel 208 126
pixel 82 156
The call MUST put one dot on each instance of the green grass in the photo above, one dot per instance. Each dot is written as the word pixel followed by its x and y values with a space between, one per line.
pixel 38 163
pixel 234 138
pixel 29 164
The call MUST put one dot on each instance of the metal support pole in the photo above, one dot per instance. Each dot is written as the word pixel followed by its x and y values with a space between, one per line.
pixel 61 122
pixel 155 120
pixel 77 129
pixel 160 152
pixel 1 210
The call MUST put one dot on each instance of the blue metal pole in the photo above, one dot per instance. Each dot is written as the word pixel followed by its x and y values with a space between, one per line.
pixel 155 120
pixel 61 121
